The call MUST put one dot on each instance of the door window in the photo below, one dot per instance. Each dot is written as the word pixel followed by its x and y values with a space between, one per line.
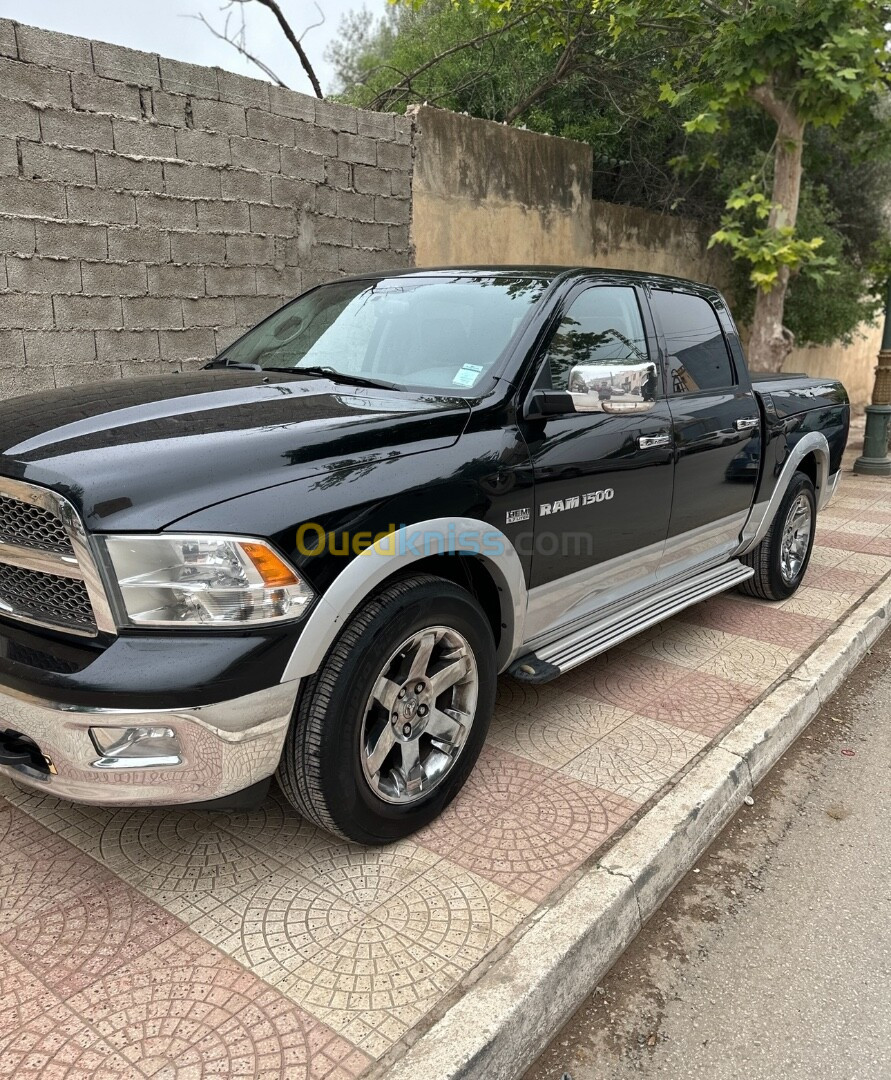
pixel 698 358
pixel 602 328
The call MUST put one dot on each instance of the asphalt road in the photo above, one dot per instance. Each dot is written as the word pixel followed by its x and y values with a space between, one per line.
pixel 772 960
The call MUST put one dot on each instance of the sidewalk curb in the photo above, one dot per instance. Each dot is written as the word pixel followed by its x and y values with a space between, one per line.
pixel 499 1026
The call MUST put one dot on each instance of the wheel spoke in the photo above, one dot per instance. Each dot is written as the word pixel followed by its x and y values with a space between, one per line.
pixel 385 692
pixel 411 772
pixel 446 730
pixel 422 656
pixel 382 747
pixel 450 675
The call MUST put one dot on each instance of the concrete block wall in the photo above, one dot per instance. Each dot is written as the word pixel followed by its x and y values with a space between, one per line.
pixel 151 210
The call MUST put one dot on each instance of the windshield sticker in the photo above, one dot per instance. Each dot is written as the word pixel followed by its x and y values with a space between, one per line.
pixel 467 376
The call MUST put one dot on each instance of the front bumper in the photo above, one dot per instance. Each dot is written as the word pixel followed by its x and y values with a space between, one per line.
pixel 222 747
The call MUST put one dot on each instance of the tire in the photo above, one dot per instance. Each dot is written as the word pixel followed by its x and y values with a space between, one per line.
pixel 772 581
pixel 327 771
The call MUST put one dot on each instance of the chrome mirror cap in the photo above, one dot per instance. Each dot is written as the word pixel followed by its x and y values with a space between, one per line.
pixel 613 388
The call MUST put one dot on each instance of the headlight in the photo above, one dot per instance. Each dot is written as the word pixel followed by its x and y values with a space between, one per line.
pixel 179 580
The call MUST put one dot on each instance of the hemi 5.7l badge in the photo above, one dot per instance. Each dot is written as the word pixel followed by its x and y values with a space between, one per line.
pixel 513 516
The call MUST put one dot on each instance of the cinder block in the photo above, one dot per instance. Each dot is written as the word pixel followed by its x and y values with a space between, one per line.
pixel 356 148
pixel 17 236
pixel 242 89
pixel 270 127
pixel 400 184
pixel 317 140
pixel 256 154
pixel 377 125
pixel 192 181
pixel 95 94
pixel 209 311
pixel 371 181
pixel 248 250
pixel 167 211
pixel 31 198
pixel 143 369
pixel 245 185
pixel 186 344
pixel 339 175
pixel 57 163
pixel 19 119
pixel 128 65
pixel 393 211
pixel 120 345
pixel 21 310
pixel 230 280
pixel 302 165
pixel 12 348
pixel 30 380
pixel 285 282
pixel 357 261
pixel 392 156
pixel 400 239
pixel 9 158
pixel 180 281
pixel 322 256
pixel 142 138
pixel 249 310
pixel 227 334
pixel 374 235
pixel 180 78
pixel 30 82
pixel 223 216
pixel 65 127
pixel 200 248
pixel 138 244
pixel 355 206
pixel 170 109
pixel 54 50
pixel 219 116
pixel 291 103
pixel 127 174
pixel 297 194
pixel 339 117
pixel 67 240
pixel 87 312
pixel 95 205
pixel 275 220
pixel 114 278
pixel 403 129
pixel 205 147
pixel 59 347
pixel 39 275
pixel 332 230
pixel 325 200
pixel 8 46
pixel 77 374
pixel 153 313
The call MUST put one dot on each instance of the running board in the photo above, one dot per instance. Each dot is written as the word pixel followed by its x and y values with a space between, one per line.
pixel 583 643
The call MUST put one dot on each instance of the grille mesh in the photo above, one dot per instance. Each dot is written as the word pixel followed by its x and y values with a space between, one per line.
pixel 47 598
pixel 32 527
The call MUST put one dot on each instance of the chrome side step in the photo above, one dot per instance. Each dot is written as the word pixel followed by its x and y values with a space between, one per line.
pixel 583 643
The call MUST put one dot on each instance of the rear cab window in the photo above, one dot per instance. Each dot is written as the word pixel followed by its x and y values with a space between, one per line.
pixel 698 355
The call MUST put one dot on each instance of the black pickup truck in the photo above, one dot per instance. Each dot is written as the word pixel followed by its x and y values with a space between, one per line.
pixel 314 557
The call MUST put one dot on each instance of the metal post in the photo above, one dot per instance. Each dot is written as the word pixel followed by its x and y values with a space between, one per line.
pixel 875 460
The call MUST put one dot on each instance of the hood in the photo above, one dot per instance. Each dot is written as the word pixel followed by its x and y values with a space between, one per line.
pixel 140 454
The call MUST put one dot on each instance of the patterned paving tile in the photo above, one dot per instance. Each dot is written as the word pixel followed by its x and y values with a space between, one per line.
pixel 536 835
pixel 820 603
pixel 852 541
pixel 637 759
pixel 759 621
pixel 552 736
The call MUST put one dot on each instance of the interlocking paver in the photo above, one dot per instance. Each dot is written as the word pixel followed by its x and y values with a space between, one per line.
pixel 155 943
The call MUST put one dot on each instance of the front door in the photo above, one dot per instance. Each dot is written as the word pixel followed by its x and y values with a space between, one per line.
pixel 716 429
pixel 603 481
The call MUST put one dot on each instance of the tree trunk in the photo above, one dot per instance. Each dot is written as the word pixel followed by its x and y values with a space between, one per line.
pixel 770 342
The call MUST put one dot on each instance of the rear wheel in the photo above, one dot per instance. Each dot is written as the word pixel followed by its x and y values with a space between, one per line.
pixel 389 728
pixel 782 557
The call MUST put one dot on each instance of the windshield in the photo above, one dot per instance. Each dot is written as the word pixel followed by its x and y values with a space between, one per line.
pixel 438 334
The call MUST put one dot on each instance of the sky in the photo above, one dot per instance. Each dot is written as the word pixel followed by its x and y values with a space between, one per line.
pixel 161 26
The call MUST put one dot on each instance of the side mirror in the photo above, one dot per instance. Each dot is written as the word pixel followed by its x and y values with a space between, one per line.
pixel 613 388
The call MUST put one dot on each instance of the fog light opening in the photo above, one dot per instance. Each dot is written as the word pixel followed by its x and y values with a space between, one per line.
pixel 135 747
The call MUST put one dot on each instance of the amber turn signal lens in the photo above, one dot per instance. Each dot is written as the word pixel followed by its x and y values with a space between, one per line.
pixel 270 567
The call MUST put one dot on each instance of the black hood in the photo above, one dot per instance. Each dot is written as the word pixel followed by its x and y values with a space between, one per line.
pixel 140 454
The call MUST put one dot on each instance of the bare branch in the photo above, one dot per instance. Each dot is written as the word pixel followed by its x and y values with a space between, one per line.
pixel 223 35
pixel 314 25
pixel 273 6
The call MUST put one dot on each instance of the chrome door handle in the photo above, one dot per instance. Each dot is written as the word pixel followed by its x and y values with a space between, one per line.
pixel 647 442
pixel 747 422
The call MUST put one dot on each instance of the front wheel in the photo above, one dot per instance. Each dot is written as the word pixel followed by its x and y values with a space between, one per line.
pixel 389 728
pixel 782 557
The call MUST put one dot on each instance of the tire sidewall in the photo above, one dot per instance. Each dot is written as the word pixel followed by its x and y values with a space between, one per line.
pixel 781 588
pixel 353 805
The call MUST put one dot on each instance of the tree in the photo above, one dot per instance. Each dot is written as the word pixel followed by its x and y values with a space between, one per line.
pixel 805 65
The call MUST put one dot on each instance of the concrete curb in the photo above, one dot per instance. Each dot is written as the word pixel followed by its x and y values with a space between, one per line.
pixel 498 1027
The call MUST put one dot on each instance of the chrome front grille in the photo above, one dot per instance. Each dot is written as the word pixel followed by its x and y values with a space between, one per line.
pixel 47 573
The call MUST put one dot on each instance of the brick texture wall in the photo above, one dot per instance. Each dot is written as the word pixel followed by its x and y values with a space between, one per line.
pixel 151 210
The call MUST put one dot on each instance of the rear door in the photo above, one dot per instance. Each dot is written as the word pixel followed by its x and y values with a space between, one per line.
pixel 603 481
pixel 715 426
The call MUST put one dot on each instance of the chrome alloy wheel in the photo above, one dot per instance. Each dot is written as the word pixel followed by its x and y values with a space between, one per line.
pixel 796 538
pixel 419 714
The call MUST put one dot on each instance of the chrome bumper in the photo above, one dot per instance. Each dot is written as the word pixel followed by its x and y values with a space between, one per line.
pixel 222 748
